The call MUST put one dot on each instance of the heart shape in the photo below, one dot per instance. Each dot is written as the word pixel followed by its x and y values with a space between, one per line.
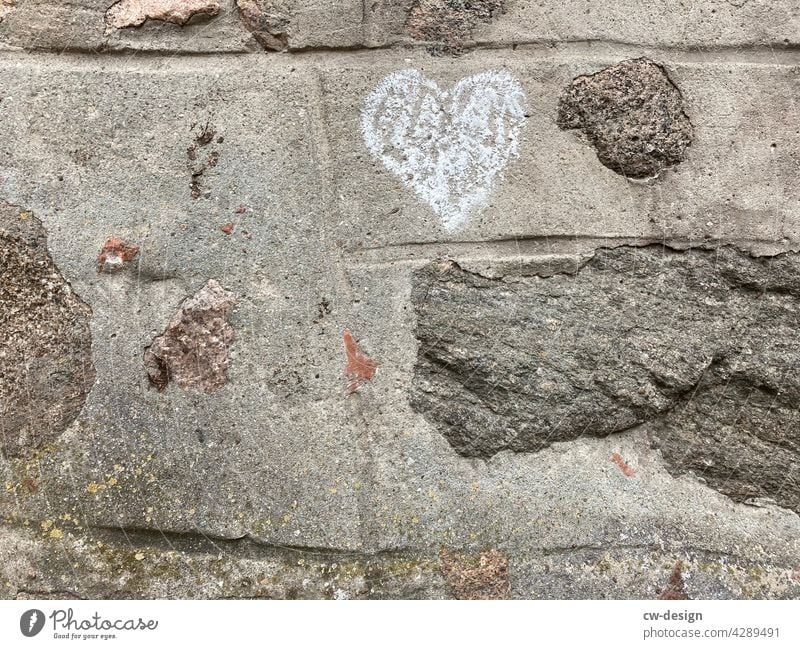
pixel 447 146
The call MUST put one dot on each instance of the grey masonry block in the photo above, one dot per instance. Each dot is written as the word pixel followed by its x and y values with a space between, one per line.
pixel 737 181
pixel 706 24
pixel 93 25
pixel 124 170
pixel 81 25
pixel 442 27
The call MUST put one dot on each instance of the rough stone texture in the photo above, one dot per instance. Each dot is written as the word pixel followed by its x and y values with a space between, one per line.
pixel 447 24
pixel 193 351
pixel 267 20
pixel 699 341
pixel 106 564
pixel 6 6
pixel 45 360
pixel 484 578
pixel 281 484
pixel 132 13
pixel 633 116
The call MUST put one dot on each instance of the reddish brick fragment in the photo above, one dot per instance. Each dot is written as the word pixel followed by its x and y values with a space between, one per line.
pixel 360 367
pixel 623 465
pixel 227 228
pixel 675 588
pixel 114 254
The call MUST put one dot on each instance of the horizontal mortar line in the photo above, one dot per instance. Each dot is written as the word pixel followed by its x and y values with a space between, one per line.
pixel 145 537
pixel 657 547
pixel 127 51
pixel 755 54
pixel 248 548
pixel 752 54
pixel 530 245
pixel 193 542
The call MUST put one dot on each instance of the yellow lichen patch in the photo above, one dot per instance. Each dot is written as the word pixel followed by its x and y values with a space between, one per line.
pixel 46 525
pixel 56 534
pixel 138 556
pixel 94 487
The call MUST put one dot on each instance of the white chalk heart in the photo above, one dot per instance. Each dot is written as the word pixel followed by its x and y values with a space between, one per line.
pixel 447 146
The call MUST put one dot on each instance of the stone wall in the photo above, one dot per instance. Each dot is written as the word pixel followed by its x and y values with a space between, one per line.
pixel 412 298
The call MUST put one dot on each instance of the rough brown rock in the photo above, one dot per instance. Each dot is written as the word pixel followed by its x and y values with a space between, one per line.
pixel 193 351
pixel 632 114
pixel 448 24
pixel 267 20
pixel 701 345
pixel 133 13
pixel 46 366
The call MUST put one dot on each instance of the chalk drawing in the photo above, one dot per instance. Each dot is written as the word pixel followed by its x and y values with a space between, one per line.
pixel 448 146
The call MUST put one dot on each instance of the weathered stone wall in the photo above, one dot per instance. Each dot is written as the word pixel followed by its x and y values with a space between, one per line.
pixel 413 298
